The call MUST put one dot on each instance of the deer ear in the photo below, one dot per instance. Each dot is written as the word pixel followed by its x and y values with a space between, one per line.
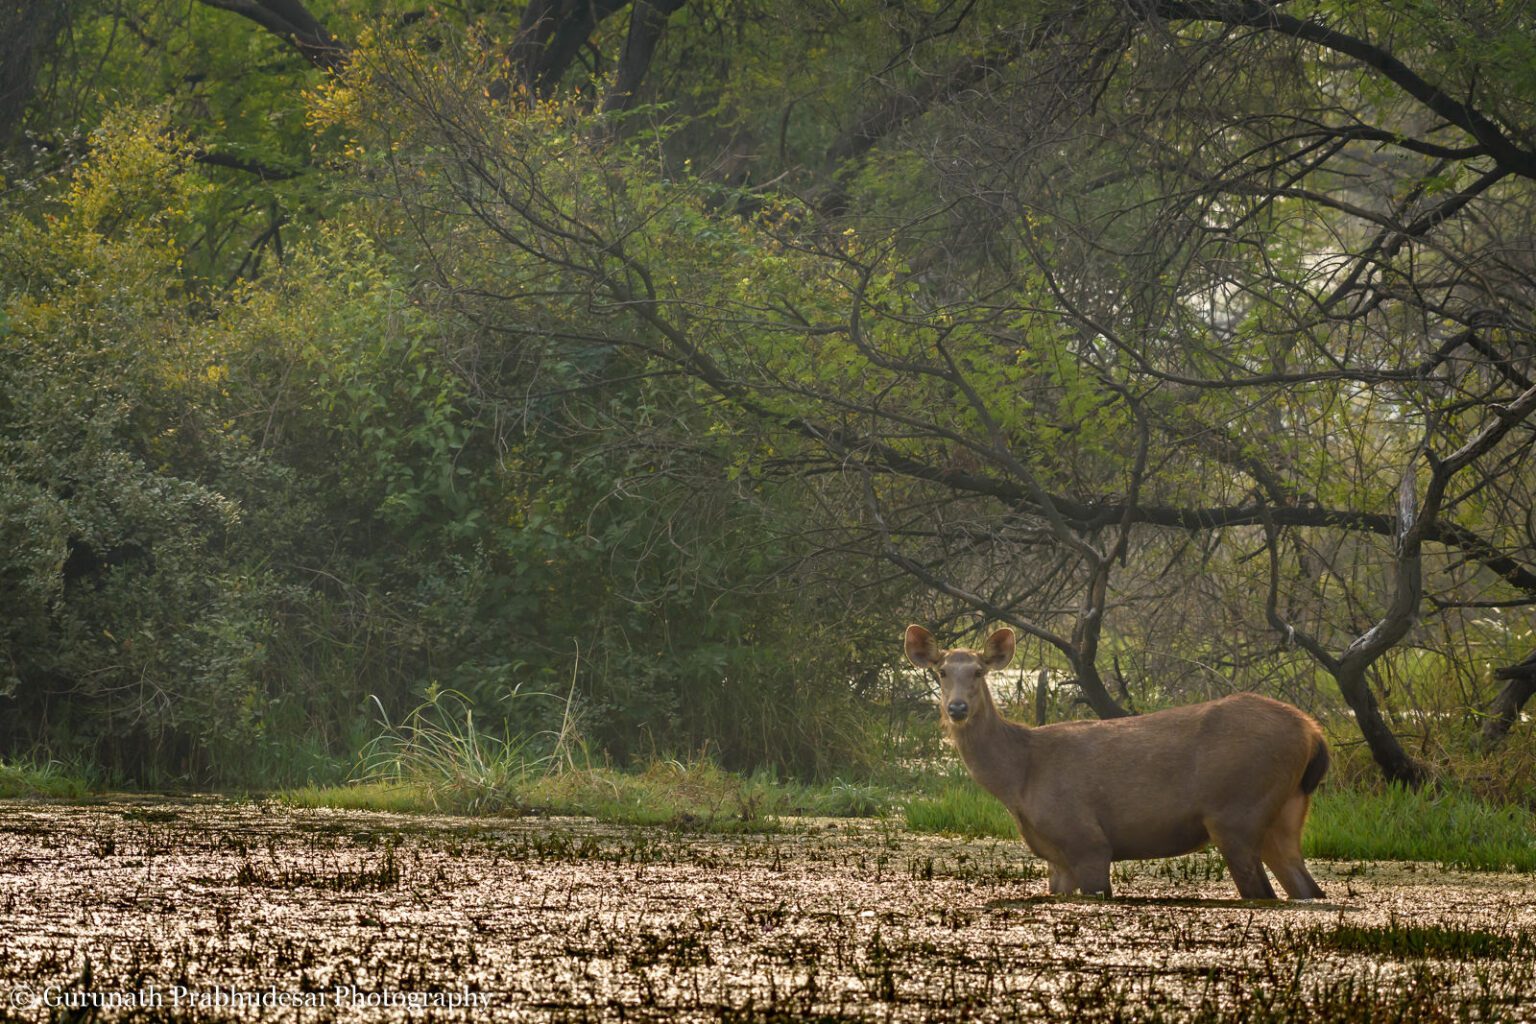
pixel 998 651
pixel 922 649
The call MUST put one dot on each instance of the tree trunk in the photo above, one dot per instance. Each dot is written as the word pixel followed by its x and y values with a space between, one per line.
pixel 647 22
pixel 27 33
pixel 551 35
pixel 1395 762
pixel 1095 692
pixel 292 21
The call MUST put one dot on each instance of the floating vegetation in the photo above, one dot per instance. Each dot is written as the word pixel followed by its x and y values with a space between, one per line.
pixel 333 876
pixel 1418 941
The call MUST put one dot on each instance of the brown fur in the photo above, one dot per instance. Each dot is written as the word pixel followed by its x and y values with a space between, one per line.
pixel 1237 772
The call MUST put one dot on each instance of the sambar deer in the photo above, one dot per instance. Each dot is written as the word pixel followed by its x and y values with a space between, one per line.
pixel 1238 772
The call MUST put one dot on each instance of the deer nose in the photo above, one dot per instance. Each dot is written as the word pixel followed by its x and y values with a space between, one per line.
pixel 958 709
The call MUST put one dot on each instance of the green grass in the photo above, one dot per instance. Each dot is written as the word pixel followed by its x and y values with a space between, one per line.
pixel 395 798
pixel 32 781
pixel 437 759
pixel 1448 828
pixel 1451 829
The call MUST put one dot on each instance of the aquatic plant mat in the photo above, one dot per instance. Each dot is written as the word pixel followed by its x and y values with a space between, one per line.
pixel 212 911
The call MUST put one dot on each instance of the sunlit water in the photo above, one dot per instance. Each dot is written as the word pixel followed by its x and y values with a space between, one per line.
pixel 207 910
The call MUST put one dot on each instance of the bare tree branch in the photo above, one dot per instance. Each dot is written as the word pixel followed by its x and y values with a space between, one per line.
pixel 1269 16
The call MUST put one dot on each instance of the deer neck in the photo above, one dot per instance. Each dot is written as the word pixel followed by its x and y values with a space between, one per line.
pixel 995 750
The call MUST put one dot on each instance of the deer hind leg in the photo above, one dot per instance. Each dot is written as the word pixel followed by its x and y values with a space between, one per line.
pixel 1243 861
pixel 1281 850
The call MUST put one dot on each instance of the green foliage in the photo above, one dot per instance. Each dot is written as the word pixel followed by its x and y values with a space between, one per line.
pixel 106 400
pixel 284 506
pixel 325 394
pixel 192 497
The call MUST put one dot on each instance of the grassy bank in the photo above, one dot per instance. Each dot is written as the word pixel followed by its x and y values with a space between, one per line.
pixel 1447 827
pixel 1444 827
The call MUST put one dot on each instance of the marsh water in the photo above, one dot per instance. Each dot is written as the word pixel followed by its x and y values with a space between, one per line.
pixel 209 910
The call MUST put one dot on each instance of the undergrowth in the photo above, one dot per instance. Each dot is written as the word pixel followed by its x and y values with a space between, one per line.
pixel 693 795
pixel 439 760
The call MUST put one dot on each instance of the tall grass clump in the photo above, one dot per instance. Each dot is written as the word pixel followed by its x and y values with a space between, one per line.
pixel 440 755
pixel 50 780
pixel 958 806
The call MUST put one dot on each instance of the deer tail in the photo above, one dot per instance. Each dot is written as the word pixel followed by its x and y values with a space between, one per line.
pixel 1317 767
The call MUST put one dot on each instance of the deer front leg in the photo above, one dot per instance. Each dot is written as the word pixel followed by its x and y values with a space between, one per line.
pixel 1089 874
pixel 1092 874
pixel 1081 854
